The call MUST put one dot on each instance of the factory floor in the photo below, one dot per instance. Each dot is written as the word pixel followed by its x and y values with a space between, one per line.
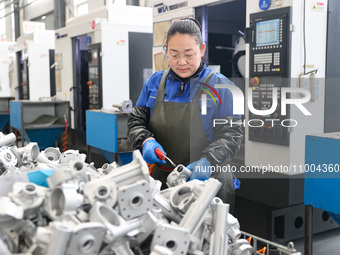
pixel 326 243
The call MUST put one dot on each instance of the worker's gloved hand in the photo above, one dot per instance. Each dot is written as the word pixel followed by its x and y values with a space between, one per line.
pixel 237 183
pixel 201 170
pixel 149 154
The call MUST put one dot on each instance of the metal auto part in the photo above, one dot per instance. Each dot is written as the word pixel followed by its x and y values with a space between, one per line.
pixel 105 192
pixel 29 196
pixel 74 172
pixel 107 168
pixel 9 212
pixel 178 176
pixel 7 159
pixel 117 227
pixel 135 199
pixel 29 153
pixel 71 156
pixel 49 156
pixel 7 140
pixel 112 210
pixel 62 201
pixel 219 237
pixel 125 106
pixel 234 232
pixel 160 250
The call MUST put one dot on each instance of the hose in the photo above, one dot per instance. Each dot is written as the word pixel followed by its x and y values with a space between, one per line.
pixel 65 136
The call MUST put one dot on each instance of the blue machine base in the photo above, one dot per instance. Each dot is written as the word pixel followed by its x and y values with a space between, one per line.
pixel 123 158
pixel 44 137
pixel 4 119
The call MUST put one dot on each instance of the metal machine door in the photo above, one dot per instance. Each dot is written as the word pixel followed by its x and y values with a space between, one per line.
pixel 81 76
pixel 52 73
pixel 23 86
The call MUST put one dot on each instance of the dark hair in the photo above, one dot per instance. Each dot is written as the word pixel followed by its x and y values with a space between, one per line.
pixel 188 26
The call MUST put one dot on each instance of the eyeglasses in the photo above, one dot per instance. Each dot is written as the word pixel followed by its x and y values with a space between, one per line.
pixel 187 56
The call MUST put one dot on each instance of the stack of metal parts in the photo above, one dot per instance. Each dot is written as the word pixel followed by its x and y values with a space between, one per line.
pixel 110 210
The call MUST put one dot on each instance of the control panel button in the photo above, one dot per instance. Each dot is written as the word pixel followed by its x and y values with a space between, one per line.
pixel 255 81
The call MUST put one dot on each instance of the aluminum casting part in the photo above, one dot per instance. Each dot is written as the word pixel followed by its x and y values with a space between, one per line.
pixel 105 192
pixel 87 238
pixel 160 250
pixel 125 106
pixel 182 197
pixel 64 200
pixel 178 176
pixel 49 156
pixel 17 154
pixel 234 232
pixel 128 174
pixel 29 196
pixel 219 237
pixel 43 236
pixel 26 230
pixel 7 241
pixel 92 172
pixel 3 248
pixel 7 140
pixel 7 159
pixel 74 172
pixel 132 172
pixel 134 200
pixel 209 216
pixel 245 249
pixel 44 166
pixel 149 222
pixel 196 211
pixel 240 247
pixel 115 224
pixel 71 156
pixel 9 212
pixel 59 238
pixel 172 237
pixel 29 153
pixel 120 247
pixel 107 168
pixel 161 202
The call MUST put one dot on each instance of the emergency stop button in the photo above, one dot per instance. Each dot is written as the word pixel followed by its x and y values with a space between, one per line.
pixel 255 81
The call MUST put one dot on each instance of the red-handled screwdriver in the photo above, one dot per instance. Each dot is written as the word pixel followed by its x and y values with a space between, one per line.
pixel 160 154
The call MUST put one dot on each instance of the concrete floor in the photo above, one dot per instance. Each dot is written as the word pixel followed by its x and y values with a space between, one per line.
pixel 327 243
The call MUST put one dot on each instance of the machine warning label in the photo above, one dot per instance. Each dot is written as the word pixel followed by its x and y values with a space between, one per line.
pixel 318 6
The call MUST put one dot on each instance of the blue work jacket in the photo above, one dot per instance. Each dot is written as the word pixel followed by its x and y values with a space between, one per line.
pixel 148 95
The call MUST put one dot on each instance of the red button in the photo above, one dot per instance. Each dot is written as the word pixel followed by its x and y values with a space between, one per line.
pixel 255 81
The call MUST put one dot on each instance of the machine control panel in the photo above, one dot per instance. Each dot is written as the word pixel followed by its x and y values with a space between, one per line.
pixel 94 83
pixel 269 68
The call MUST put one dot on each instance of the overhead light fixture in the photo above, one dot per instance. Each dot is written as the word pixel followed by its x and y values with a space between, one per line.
pixel 43 17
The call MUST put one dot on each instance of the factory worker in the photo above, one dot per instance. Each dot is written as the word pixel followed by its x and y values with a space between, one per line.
pixel 169 116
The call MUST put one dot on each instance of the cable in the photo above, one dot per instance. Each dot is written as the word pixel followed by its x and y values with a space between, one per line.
pixel 304 42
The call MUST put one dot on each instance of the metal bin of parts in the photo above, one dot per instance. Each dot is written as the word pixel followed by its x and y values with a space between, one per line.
pixel 39 121
pixel 106 130
pixel 4 112
pixel 322 180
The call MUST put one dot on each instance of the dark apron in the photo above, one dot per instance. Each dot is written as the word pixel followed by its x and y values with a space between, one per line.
pixel 178 128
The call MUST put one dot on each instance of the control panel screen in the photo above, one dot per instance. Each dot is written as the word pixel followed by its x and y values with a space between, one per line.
pixel 268 32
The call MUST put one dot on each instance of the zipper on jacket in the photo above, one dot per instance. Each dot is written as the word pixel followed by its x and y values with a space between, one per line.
pixel 182 86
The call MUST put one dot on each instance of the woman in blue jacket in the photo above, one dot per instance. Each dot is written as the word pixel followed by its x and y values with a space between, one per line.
pixel 168 114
